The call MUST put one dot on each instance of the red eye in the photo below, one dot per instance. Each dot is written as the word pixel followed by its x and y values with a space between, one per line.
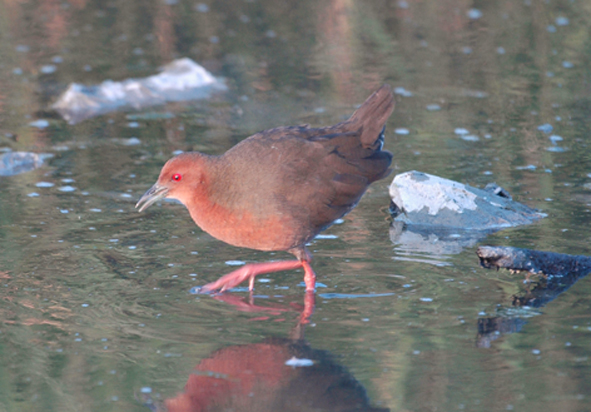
pixel 177 177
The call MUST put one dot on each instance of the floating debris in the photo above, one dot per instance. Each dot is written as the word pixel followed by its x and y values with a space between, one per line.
pixel 14 163
pixel 181 80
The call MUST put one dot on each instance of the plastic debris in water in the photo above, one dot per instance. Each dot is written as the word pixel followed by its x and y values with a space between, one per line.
pixel 14 163
pixel 181 80
pixel 299 363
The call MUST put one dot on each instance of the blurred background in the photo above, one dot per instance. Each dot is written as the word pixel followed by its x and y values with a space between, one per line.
pixel 95 305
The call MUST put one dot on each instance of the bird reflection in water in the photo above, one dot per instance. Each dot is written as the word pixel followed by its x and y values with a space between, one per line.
pixel 277 374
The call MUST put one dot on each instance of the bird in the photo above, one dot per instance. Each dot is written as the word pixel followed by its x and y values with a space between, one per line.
pixel 279 188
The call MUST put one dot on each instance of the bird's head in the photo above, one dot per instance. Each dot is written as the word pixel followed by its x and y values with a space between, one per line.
pixel 178 179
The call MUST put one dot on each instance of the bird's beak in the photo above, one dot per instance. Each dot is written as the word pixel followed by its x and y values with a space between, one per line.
pixel 154 194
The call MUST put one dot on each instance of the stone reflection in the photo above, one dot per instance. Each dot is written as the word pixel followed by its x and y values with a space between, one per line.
pixel 277 374
pixel 555 273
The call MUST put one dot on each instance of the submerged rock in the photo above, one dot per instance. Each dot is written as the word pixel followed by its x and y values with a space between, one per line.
pixel 14 163
pixel 559 272
pixel 434 202
pixel 182 79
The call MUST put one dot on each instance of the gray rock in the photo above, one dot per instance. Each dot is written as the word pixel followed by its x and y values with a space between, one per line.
pixel 434 202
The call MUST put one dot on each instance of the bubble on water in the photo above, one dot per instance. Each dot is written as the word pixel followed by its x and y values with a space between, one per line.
pixel 556 149
pixel 299 362
pixel 474 14
pixel 323 236
pixel 33 194
pixel 535 351
pixel 132 141
pixel 470 138
pixel 461 131
pixel 201 8
pixel 48 69
pixel 433 107
pixel 501 50
pixel 567 65
pixel 551 28
pixel 546 128
pixel 235 262
pixel 403 92
pixel 40 124
pixel 426 299
pixel 562 21
pixel 146 389
pixel 466 50
pixel 401 130
pixel 67 189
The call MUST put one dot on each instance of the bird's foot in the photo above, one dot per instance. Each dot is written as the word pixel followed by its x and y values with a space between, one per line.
pixel 251 270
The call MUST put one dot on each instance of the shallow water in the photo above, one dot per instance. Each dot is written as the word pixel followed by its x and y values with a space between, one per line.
pixel 96 310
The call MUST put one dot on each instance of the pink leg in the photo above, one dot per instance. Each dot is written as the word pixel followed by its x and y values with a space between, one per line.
pixel 249 271
pixel 309 304
pixel 309 277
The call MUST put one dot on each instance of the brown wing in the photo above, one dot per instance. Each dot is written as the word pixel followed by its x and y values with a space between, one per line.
pixel 310 177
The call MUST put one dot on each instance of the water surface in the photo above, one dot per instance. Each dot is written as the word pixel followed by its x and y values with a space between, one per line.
pixel 96 310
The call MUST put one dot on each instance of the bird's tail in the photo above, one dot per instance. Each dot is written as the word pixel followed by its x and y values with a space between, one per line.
pixel 372 115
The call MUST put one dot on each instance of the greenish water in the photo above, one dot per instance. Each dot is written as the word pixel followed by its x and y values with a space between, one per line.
pixel 94 302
